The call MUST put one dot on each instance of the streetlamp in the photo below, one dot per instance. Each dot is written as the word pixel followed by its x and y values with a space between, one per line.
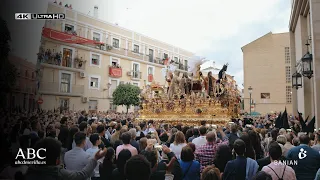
pixel 307 63
pixel 296 80
pixel 250 92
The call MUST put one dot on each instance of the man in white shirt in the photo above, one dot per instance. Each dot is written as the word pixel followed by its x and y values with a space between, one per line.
pixel 96 141
pixel 76 159
pixel 201 140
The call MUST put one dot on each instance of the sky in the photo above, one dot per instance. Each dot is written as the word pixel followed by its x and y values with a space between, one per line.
pixel 215 29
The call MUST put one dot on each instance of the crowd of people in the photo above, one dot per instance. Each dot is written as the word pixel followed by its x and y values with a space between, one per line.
pixel 111 145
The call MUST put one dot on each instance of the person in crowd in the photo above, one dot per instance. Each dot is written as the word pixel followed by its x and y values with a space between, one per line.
pixel 201 140
pixel 116 135
pixel 143 144
pixel 83 126
pixel 195 132
pixel 281 139
pixel 316 145
pixel 318 175
pixel 151 155
pixel 211 173
pixel 262 176
pixel 76 159
pixel 138 167
pixel 233 135
pixel 64 131
pixel 34 134
pixel 190 167
pixel 295 141
pixel 282 131
pixel 178 144
pixel 52 169
pixel 256 144
pixel 308 159
pixel 188 134
pixel 101 130
pixel 133 141
pixel 72 132
pixel 222 156
pixel 288 145
pixel 242 167
pixel 192 146
pixel 205 153
pixel 249 149
pixel 82 117
pixel 95 139
pixel 123 157
pixel 106 168
pixel 10 172
pixel 126 138
pixel 276 168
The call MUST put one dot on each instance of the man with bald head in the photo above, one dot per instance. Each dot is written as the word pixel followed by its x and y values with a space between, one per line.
pixel 205 153
pixel 308 159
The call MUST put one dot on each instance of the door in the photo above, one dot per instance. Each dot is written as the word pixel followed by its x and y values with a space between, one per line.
pixel 67 57
pixel 135 71
pixel 113 86
pixel 64 105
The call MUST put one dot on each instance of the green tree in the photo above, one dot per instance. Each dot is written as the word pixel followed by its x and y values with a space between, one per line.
pixel 126 94
pixel 7 70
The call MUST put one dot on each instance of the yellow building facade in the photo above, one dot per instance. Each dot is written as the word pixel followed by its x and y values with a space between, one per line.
pixel 267 65
pixel 83 74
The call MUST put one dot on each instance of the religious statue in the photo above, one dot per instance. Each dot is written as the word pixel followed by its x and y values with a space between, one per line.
pixel 175 85
pixel 210 84
pixel 195 66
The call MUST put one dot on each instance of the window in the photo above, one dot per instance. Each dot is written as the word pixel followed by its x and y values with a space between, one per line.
pixel 265 95
pixel 68 28
pixel 176 59
pixel 113 86
pixel 288 74
pixel 150 55
pixel 67 57
pixel 115 43
pixel 96 36
pixel 113 107
pixel 150 70
pixel 288 94
pixel 136 48
pixel 95 59
pixel 114 63
pixel 136 73
pixel 94 82
pixel 287 55
pixel 26 74
pixel 93 105
pixel 186 65
pixel 65 83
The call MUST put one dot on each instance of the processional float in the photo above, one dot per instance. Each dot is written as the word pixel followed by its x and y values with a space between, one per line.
pixel 190 98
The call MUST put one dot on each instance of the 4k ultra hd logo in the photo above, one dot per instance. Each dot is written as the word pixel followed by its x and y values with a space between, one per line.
pixel 30 157
pixel 35 16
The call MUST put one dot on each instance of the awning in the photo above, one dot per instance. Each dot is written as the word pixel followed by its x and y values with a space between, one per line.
pixel 67 38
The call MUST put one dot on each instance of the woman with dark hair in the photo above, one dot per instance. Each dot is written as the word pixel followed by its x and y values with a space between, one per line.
pixel 223 155
pixel 190 167
pixel 189 134
pixel 72 132
pixel 123 157
pixel 256 144
pixel 105 169
pixel 249 149
pixel 262 176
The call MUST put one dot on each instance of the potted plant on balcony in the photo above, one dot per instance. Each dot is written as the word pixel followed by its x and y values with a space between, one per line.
pixel 80 61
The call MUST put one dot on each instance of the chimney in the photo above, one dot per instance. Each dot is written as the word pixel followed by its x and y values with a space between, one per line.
pixel 95 12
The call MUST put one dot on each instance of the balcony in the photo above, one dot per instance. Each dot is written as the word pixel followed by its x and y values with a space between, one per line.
pixel 135 75
pixel 183 67
pixel 54 88
pixel 115 72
